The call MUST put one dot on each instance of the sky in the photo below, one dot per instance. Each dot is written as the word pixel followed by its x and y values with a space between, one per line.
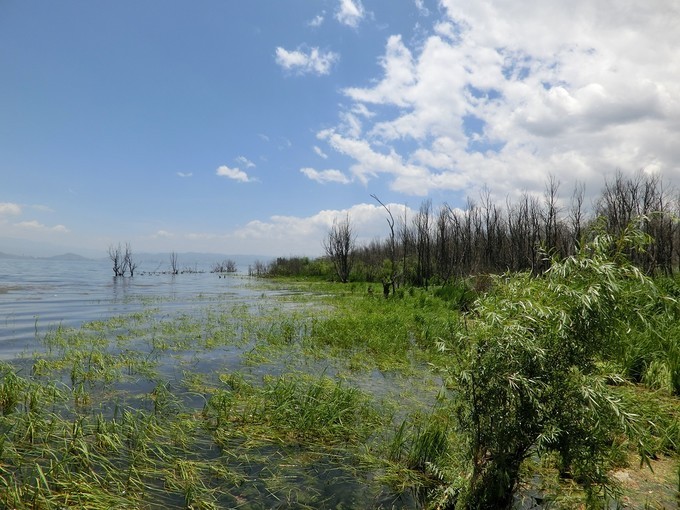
pixel 248 127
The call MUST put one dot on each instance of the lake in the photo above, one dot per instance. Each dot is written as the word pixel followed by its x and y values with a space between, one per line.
pixel 37 295
pixel 218 365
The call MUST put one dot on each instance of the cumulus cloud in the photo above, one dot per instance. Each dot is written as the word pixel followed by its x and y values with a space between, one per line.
pixel 9 208
pixel 304 235
pixel 313 61
pixel 325 176
pixel 500 94
pixel 233 173
pixel 350 12
pixel 320 153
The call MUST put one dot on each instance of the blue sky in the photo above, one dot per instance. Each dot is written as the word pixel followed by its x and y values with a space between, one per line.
pixel 247 127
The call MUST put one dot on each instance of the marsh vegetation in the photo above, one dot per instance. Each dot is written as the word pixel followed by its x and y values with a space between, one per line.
pixel 512 390
pixel 520 359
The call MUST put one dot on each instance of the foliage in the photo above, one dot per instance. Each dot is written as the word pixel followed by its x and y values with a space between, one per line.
pixel 299 267
pixel 331 396
pixel 529 383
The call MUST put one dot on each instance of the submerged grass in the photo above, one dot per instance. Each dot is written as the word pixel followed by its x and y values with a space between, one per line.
pixel 332 397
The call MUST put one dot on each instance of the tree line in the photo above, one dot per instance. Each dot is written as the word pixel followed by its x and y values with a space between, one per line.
pixel 439 245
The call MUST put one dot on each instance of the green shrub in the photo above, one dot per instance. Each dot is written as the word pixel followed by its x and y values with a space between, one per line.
pixel 529 384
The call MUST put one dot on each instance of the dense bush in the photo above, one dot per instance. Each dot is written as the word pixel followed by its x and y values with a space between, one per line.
pixel 530 383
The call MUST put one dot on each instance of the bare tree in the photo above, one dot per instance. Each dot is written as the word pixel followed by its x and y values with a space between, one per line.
pixel 128 264
pixel 174 268
pixel 391 280
pixel 259 268
pixel 550 213
pixel 576 216
pixel 226 266
pixel 116 256
pixel 422 224
pixel 340 246
pixel 443 242
pixel 407 241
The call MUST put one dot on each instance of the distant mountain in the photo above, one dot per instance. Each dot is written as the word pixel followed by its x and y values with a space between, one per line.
pixel 24 248
pixel 12 248
pixel 10 256
pixel 66 256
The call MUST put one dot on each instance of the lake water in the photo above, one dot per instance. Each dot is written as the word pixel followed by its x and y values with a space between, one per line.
pixel 38 295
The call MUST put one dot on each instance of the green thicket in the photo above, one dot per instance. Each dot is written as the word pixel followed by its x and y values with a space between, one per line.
pixel 536 375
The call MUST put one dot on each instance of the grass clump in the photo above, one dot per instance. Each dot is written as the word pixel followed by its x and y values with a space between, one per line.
pixel 305 410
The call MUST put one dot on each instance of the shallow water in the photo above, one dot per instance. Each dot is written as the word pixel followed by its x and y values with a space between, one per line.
pixel 39 295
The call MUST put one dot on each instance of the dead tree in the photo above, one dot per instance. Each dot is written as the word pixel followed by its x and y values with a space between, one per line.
pixel 116 256
pixel 422 226
pixel 391 280
pixel 128 264
pixel 340 246
pixel 174 268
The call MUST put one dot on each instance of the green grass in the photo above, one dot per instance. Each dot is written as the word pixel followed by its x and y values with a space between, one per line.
pixel 326 396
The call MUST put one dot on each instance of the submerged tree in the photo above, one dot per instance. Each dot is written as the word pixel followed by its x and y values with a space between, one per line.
pixel 174 267
pixel 122 260
pixel 340 246
pixel 129 264
pixel 116 256
pixel 225 266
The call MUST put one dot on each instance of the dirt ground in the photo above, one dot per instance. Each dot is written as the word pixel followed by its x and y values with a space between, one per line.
pixel 647 489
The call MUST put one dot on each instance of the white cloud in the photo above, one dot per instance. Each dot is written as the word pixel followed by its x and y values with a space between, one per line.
pixel 183 174
pixel 400 76
pixel 313 61
pixel 350 12
pixel 501 94
pixel 37 226
pixel 325 176
pixel 304 235
pixel 245 162
pixel 420 5
pixel 407 177
pixel 10 208
pixel 320 153
pixel 317 21
pixel 233 173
